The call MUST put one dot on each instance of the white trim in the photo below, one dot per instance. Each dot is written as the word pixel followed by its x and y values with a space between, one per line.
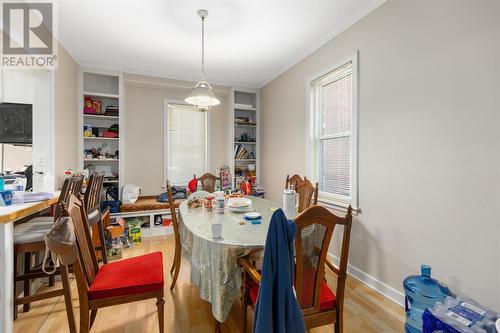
pixel 380 287
pixel 162 75
pixel 313 47
pixel 171 83
pixel 311 127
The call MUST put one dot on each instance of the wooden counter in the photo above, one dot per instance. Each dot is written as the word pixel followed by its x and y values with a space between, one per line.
pixel 15 212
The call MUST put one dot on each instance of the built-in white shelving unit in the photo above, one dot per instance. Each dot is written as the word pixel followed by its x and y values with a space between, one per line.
pixel 245 133
pixel 105 87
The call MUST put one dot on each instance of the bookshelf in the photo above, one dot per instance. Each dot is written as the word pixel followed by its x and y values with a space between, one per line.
pixel 245 133
pixel 106 89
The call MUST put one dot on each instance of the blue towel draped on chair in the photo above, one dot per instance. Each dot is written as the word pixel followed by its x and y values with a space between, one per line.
pixel 277 310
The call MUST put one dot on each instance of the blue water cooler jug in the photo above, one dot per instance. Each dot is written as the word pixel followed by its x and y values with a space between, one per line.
pixel 421 292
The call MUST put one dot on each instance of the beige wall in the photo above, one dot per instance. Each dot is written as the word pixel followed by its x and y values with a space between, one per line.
pixel 429 140
pixel 66 114
pixel 144 100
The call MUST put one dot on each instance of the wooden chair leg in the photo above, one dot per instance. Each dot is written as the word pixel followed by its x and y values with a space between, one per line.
pixel 15 285
pixel 175 258
pixel 52 280
pixel 84 318
pixel 177 268
pixel 173 265
pixel 67 298
pixel 339 325
pixel 93 313
pixel 159 304
pixel 27 282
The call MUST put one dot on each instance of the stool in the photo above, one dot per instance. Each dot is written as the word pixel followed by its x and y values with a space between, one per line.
pixel 28 239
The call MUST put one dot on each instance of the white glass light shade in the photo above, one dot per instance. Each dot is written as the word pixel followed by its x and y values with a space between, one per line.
pixel 202 97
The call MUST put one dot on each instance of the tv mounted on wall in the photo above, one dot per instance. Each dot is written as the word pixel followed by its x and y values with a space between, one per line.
pixel 16 123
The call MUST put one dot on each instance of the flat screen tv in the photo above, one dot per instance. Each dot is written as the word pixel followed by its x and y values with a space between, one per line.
pixel 16 123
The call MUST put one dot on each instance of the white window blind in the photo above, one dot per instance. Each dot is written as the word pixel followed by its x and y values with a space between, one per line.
pixel 333 134
pixel 186 142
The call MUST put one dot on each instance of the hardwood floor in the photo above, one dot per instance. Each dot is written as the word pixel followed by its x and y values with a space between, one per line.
pixel 365 310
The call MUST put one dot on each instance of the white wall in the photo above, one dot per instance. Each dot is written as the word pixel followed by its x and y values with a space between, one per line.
pixel 429 140
pixel 144 101
pixel 66 115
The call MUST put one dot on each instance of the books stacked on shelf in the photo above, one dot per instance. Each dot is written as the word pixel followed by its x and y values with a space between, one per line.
pixel 111 110
pixel 241 153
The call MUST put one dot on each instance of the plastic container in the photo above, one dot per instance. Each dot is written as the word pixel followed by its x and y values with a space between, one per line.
pixel 6 198
pixel 456 315
pixel 2 184
pixel 17 197
pixel 421 292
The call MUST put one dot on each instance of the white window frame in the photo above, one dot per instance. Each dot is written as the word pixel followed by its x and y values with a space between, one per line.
pixel 166 102
pixel 313 135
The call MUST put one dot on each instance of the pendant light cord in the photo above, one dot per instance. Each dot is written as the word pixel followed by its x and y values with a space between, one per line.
pixel 203 48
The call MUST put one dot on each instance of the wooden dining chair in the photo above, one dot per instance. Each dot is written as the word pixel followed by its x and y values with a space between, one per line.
pixel 120 282
pixel 92 201
pixel 308 194
pixel 28 239
pixel 208 182
pixel 176 264
pixel 320 305
pixel 291 182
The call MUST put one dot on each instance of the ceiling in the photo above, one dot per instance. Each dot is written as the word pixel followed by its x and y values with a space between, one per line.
pixel 248 43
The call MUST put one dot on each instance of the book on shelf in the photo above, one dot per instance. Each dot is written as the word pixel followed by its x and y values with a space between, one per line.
pixel 241 153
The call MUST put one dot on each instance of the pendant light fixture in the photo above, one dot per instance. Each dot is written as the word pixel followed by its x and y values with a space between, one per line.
pixel 202 96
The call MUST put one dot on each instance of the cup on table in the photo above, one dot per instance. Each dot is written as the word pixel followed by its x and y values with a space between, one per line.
pixel 216 230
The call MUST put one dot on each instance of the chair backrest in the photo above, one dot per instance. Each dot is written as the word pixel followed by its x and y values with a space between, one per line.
pixel 71 185
pixel 315 227
pixel 208 182
pixel 86 266
pixel 291 182
pixel 173 212
pixel 93 191
pixel 308 194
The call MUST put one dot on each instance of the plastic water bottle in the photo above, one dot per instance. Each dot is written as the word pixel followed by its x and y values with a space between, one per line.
pixel 421 292
pixel 460 315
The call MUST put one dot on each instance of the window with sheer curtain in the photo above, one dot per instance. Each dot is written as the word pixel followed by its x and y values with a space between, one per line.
pixel 334 135
pixel 186 143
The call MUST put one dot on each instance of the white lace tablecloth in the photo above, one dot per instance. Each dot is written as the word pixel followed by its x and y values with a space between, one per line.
pixel 214 266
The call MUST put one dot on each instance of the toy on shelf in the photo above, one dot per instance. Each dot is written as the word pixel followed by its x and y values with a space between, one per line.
pixel 91 106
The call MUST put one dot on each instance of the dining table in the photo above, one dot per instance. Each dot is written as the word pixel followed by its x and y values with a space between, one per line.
pixel 9 215
pixel 214 261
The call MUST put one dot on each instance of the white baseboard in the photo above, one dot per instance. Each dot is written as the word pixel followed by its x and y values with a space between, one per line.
pixel 372 283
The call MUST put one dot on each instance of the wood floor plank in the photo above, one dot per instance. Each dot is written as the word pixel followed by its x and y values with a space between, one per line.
pixel 365 310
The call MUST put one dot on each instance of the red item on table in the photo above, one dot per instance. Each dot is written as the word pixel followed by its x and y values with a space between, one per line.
pixel 193 185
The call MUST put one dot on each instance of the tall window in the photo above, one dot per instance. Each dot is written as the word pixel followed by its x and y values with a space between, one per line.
pixel 186 143
pixel 334 132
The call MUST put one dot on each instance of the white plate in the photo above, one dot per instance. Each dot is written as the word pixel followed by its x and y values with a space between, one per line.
pixel 239 202
pixel 241 209
pixel 252 215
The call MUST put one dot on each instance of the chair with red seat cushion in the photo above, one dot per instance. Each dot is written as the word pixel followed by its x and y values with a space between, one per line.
pixel 320 305
pixel 125 281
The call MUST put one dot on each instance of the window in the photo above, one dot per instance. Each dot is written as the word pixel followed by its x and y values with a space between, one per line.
pixel 333 133
pixel 186 143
